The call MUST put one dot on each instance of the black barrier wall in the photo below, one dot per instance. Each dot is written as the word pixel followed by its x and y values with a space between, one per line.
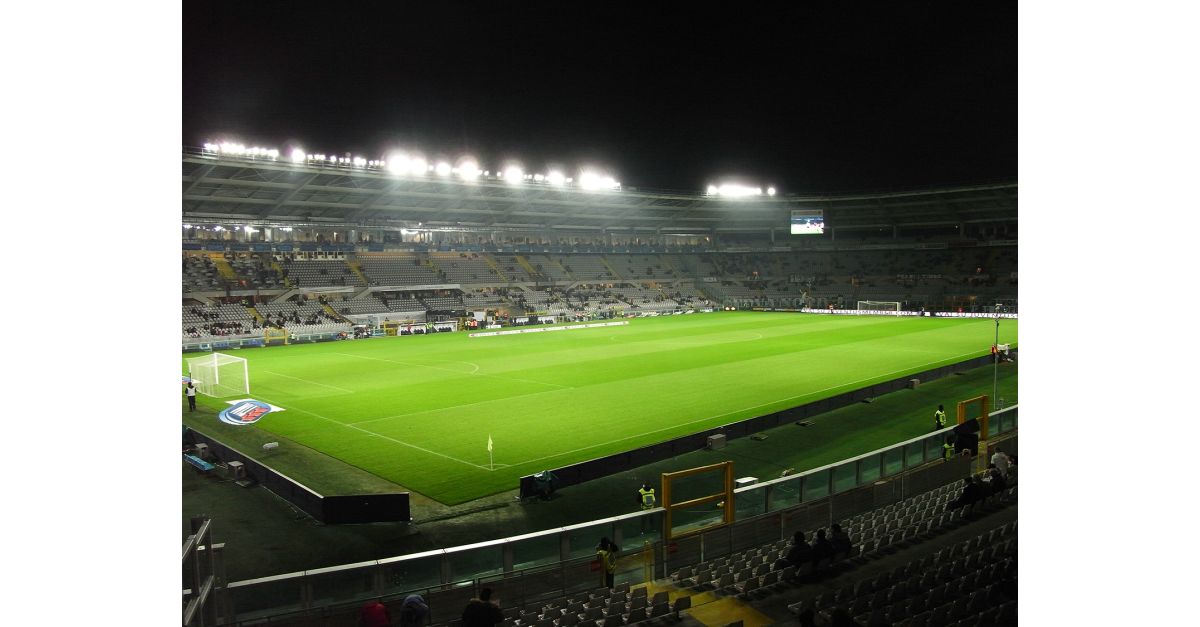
pixel 363 508
pixel 621 462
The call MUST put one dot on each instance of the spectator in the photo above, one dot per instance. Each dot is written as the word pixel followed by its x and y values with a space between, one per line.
pixel 841 541
pixel 821 548
pixel 1000 460
pixel 414 611
pixel 482 612
pixel 799 554
pixel 374 614
pixel 969 495
pixel 606 552
pixel 996 481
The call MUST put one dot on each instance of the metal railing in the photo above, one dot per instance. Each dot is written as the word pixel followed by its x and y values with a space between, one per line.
pixel 558 561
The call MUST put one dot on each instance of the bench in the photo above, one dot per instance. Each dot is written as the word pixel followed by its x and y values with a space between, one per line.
pixel 200 464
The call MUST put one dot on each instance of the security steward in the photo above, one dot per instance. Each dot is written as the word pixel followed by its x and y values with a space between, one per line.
pixel 646 501
pixel 948 449
pixel 939 418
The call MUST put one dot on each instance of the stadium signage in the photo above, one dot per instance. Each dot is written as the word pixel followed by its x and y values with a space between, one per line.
pixel 246 411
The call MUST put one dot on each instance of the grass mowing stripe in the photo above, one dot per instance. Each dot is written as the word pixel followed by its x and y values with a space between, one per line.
pixel 737 411
pixel 472 373
pixel 324 385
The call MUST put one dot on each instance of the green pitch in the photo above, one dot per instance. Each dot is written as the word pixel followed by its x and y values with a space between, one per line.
pixel 418 411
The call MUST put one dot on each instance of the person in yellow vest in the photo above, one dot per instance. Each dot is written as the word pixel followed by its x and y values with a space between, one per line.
pixel 939 418
pixel 646 502
pixel 948 449
pixel 606 552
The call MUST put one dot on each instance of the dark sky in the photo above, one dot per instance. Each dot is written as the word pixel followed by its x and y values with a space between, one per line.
pixel 828 98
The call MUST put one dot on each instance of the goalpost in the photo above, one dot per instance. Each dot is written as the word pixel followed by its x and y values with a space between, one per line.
pixel 878 305
pixel 220 375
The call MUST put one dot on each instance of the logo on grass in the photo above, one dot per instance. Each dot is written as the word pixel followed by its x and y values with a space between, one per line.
pixel 245 412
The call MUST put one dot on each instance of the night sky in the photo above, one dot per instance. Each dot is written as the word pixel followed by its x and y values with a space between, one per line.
pixel 837 98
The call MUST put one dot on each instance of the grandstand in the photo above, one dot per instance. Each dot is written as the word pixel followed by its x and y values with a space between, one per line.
pixel 383 417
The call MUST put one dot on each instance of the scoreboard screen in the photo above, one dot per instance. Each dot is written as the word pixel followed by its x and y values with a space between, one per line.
pixel 808 221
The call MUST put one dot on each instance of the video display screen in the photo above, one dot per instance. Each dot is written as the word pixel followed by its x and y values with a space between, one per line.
pixel 808 221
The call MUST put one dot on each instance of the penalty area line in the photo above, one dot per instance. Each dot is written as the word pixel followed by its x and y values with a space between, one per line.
pixel 390 439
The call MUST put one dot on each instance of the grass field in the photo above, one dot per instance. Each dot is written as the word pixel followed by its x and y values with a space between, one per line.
pixel 417 411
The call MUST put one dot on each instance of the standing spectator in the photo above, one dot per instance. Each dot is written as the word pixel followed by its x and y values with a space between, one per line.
pixel 939 418
pixel 841 541
pixel 482 612
pixel 414 611
pixel 374 614
pixel 191 396
pixel 1000 460
pixel 606 552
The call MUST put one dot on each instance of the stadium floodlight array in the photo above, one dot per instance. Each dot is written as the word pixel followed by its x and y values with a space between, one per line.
pixel 734 190
pixel 401 164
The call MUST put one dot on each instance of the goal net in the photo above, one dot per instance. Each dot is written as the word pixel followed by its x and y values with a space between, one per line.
pixel 878 305
pixel 220 375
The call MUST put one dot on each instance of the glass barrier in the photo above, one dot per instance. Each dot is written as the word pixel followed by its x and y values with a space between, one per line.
pixel 412 572
pixel 845 477
pixel 474 561
pixel 893 461
pixel 816 485
pixel 535 550
pixel 783 495
pixel 583 539
pixel 267 596
pixel 750 503
pixel 341 584
pixel 914 454
pixel 869 468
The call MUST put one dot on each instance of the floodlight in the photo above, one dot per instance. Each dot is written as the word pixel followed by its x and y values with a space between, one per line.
pixel 398 164
pixel 468 169
pixel 417 166
pixel 538 177
pixel 514 174
pixel 187 226
pixel 770 191
pixel 594 181
pixel 360 162
pixel 298 155
pixel 555 178
pixel 443 169
pixel 733 190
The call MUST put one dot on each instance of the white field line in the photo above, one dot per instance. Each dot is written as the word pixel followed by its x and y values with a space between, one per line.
pixel 475 373
pixel 683 424
pixel 334 387
pixel 378 435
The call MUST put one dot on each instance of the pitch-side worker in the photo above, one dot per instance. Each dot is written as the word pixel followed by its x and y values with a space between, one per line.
pixel 191 394
pixel 939 418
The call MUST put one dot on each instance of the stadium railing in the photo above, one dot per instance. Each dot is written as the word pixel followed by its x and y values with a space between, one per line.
pixel 558 561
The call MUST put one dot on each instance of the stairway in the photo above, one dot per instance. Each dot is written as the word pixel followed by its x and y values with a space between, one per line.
pixel 253 311
pixel 429 263
pixel 287 282
pixel 496 267
pixel 333 312
pixel 223 268
pixel 611 269
pixel 524 263
pixel 356 268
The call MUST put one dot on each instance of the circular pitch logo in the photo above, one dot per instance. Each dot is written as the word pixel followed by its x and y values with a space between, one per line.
pixel 244 413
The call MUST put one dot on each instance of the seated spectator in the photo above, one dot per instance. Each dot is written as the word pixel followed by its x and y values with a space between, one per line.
pixel 414 611
pixel 996 481
pixel 841 542
pixel 482 612
pixel 374 614
pixel 969 495
pixel 799 554
pixel 821 549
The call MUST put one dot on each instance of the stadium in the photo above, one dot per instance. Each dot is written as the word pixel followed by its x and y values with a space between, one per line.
pixel 437 377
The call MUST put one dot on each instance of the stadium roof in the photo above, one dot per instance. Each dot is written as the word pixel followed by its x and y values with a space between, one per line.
pixel 270 191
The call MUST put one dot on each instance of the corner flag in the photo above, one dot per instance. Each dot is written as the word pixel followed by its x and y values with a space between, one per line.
pixel 489 443
pixel 491 465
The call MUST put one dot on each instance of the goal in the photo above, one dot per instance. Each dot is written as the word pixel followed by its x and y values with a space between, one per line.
pixel 220 375
pixel 878 305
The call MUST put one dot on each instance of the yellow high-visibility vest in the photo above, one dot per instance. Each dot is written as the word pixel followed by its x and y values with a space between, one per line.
pixel 647 498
